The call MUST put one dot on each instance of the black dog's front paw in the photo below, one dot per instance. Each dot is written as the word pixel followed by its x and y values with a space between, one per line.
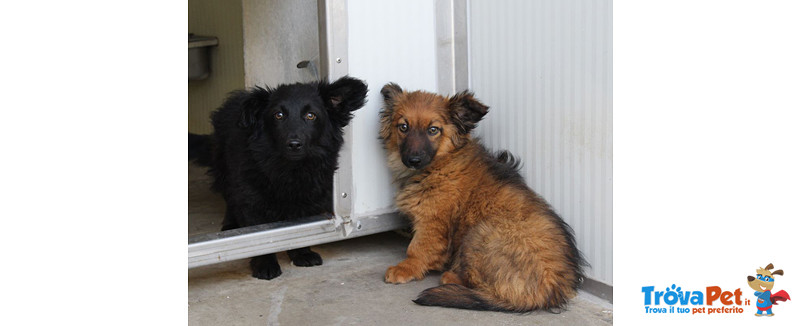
pixel 304 257
pixel 265 267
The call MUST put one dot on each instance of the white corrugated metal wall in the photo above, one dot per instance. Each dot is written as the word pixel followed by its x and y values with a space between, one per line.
pixel 544 68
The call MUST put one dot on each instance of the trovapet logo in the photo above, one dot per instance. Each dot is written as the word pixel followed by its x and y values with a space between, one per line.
pixel 717 300
pixel 674 300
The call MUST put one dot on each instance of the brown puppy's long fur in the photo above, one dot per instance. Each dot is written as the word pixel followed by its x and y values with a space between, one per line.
pixel 500 245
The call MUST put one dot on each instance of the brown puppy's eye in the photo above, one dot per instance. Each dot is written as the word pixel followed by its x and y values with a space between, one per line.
pixel 403 127
pixel 433 131
pixel 278 115
pixel 310 116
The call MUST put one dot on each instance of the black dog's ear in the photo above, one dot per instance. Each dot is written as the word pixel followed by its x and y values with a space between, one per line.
pixel 390 92
pixel 253 103
pixel 343 96
pixel 346 94
pixel 466 111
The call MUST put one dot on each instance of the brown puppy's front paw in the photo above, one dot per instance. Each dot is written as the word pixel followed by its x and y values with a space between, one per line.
pixel 399 274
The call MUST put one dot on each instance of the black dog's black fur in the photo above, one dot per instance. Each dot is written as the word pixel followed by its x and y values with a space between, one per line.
pixel 273 154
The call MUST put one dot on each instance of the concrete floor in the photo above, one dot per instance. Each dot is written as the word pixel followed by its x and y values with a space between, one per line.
pixel 348 289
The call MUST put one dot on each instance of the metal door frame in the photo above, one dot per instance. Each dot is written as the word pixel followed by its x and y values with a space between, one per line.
pixel 268 238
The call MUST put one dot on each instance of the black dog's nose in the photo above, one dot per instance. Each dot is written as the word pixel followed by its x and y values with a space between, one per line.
pixel 414 161
pixel 294 145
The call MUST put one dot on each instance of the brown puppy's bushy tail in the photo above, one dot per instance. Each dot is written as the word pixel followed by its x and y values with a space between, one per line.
pixel 455 296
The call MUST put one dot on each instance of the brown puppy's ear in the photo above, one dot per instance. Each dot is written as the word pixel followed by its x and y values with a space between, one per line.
pixel 466 111
pixel 390 92
pixel 778 272
pixel 769 266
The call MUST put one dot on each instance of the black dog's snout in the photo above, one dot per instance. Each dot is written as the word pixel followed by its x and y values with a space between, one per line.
pixel 414 161
pixel 294 145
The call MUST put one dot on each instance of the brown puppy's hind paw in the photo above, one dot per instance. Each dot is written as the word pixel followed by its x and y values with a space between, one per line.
pixel 449 277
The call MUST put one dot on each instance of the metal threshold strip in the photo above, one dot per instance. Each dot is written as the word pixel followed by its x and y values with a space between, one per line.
pixel 269 238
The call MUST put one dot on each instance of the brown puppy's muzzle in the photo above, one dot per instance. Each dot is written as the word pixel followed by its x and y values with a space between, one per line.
pixel 416 150
pixel 416 161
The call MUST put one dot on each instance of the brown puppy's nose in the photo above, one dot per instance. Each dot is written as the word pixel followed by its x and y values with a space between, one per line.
pixel 750 278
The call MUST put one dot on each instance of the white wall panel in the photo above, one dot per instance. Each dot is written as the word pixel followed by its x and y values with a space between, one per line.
pixel 384 45
pixel 544 68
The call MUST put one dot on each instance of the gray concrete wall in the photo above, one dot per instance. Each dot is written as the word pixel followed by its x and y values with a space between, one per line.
pixel 277 35
pixel 222 19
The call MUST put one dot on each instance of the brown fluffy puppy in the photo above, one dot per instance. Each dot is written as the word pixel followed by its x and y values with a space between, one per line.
pixel 501 246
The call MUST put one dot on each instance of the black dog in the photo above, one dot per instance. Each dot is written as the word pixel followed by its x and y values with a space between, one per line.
pixel 273 154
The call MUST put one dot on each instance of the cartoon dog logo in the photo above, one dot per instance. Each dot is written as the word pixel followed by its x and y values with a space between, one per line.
pixel 763 283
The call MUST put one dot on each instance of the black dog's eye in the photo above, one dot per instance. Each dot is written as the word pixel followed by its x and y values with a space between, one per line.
pixel 278 115
pixel 403 127
pixel 433 131
pixel 310 116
